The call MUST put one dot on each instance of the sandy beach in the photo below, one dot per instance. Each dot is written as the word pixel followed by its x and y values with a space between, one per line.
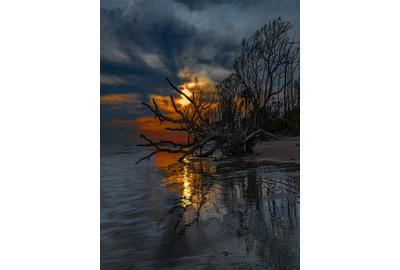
pixel 285 150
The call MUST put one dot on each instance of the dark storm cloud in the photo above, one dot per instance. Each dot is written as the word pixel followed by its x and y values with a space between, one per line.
pixel 149 37
pixel 142 41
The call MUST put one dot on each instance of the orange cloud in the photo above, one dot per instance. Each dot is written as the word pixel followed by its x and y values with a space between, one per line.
pixel 119 99
pixel 152 128
pixel 163 102
pixel 127 123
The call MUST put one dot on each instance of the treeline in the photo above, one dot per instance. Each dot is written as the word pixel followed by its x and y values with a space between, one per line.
pixel 263 90
pixel 258 100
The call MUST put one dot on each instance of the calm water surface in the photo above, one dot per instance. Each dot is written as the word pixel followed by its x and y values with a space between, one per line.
pixel 208 214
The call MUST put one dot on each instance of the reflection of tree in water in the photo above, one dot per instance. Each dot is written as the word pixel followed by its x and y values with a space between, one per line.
pixel 265 212
pixel 254 207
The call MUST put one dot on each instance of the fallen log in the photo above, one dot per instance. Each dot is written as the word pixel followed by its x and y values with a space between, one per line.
pixel 201 131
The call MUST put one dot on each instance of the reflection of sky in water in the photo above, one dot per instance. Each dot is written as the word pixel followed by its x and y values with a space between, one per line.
pixel 199 214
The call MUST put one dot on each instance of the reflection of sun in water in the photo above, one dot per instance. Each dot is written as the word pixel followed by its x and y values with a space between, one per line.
pixel 187 190
pixel 185 180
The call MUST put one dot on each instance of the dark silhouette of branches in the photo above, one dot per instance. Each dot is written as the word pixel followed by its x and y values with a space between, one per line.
pixel 266 70
pixel 205 136
pixel 193 118
pixel 262 93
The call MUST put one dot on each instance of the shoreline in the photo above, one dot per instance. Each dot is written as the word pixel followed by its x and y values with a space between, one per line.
pixel 281 150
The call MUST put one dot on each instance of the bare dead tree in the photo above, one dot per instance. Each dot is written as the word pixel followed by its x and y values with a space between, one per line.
pixel 194 119
pixel 267 64
pixel 264 84
pixel 205 136
pixel 228 91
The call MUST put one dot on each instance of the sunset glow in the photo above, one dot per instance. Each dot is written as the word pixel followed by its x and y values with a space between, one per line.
pixel 182 100
pixel 195 82
pixel 151 126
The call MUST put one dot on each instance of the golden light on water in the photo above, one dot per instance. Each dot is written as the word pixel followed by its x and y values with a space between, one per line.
pixel 182 181
pixel 186 180
pixel 187 189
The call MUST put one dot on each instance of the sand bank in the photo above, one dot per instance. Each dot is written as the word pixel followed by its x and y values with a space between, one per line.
pixel 285 150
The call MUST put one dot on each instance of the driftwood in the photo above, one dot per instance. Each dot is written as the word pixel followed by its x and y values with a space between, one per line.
pixel 206 134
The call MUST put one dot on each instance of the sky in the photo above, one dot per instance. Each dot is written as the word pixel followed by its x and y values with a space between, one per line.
pixel 144 41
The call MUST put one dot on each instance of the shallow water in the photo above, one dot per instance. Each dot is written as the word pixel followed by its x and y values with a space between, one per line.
pixel 205 214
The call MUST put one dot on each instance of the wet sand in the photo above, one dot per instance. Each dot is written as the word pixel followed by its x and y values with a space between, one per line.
pixel 283 150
